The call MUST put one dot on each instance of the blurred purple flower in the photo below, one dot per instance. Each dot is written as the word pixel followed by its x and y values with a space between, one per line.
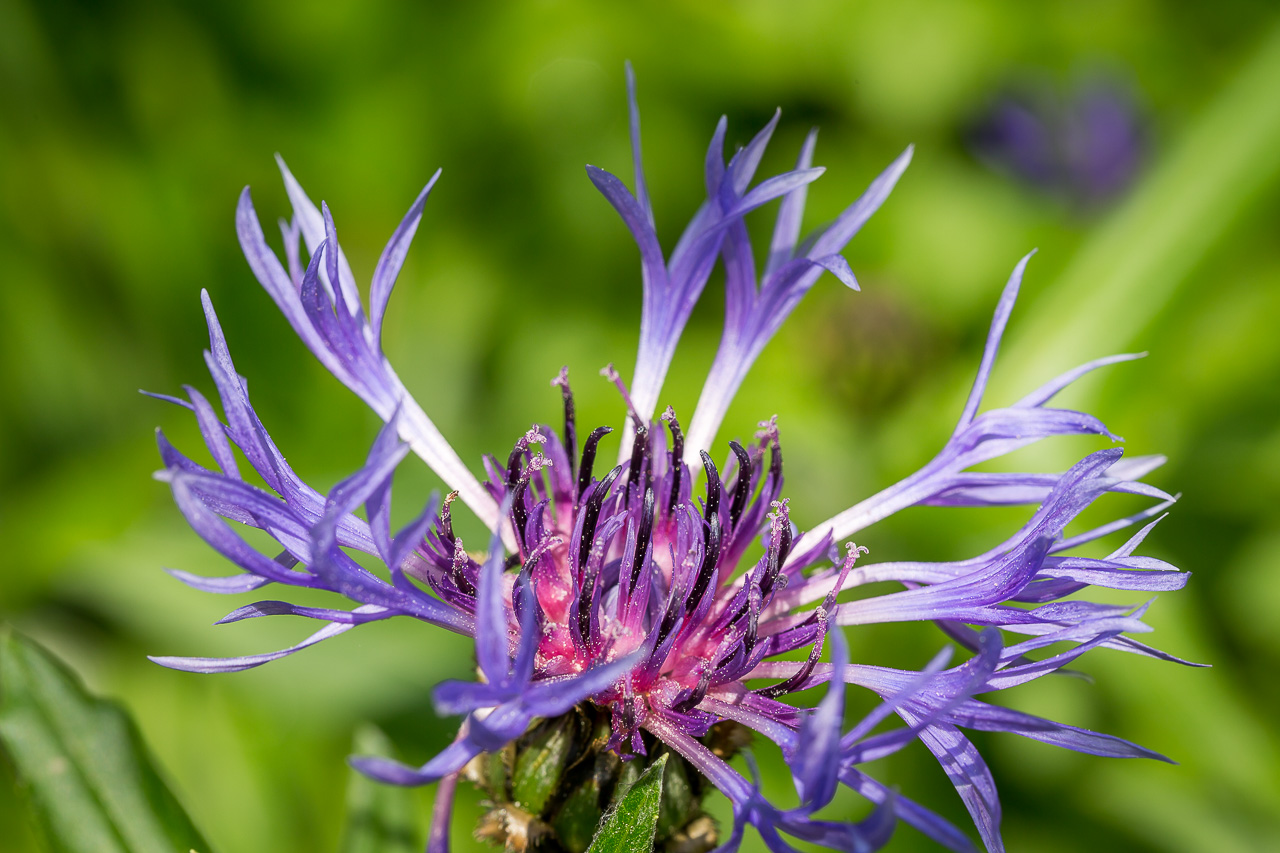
pixel 628 591
pixel 1086 145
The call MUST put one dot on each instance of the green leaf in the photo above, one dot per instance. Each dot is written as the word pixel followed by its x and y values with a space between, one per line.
pixel 631 823
pixel 88 775
pixel 380 818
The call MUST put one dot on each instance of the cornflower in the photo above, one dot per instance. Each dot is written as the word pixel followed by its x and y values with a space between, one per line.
pixel 615 617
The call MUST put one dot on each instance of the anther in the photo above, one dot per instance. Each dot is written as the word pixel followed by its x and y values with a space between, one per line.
pixel 456 569
pixel 742 489
pixel 793 683
pixel 570 423
pixel 446 519
pixel 639 450
pixel 591 515
pixel 519 513
pixel 677 454
pixel 711 551
pixel 697 694
pixel 589 458
pixel 707 571
pixel 780 545
pixel 610 373
pixel 533 436
pixel 713 485
pixel 643 537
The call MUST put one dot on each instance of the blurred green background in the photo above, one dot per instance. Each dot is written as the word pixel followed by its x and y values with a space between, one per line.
pixel 128 128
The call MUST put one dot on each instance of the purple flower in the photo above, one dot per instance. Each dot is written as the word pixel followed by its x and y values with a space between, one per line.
pixel 625 588
pixel 1086 144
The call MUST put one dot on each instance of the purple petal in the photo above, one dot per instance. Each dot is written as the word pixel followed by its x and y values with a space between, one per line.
pixel 284 608
pixel 462 697
pixel 742 168
pixel 633 119
pixel 311 223
pixel 266 267
pixel 1047 391
pixel 771 188
pixel 931 825
pixel 818 756
pixel 392 258
pixel 965 599
pixel 971 777
pixel 851 220
pixel 492 646
pixel 451 759
pixel 1003 309
pixel 991 718
pixel 238 664
pixel 786 230
pixel 556 696
pixel 441 812
pixel 714 168
pixel 839 267
pixel 224 586
pixel 635 218
pixel 223 540
pixel 215 436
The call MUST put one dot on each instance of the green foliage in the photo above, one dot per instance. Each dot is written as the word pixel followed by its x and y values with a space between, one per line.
pixel 631 822
pixel 89 777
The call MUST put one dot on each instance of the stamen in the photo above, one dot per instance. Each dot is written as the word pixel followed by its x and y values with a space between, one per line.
pixel 711 551
pixel 533 436
pixel 713 485
pixel 456 569
pixel 780 544
pixel 754 603
pixel 591 515
pixel 610 372
pixel 691 701
pixel 542 548
pixel 782 688
pixel 446 518
pixel 767 435
pixel 669 616
pixel 821 615
pixel 707 571
pixel 639 450
pixel 589 571
pixel 570 424
pixel 585 598
pixel 677 457
pixel 852 552
pixel 589 458
pixel 768 431
pixel 742 489
pixel 520 513
pixel 643 537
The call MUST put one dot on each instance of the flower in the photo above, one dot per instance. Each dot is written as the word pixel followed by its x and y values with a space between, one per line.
pixel 1085 144
pixel 623 595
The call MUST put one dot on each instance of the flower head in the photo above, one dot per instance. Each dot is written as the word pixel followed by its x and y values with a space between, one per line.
pixel 1085 144
pixel 623 593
